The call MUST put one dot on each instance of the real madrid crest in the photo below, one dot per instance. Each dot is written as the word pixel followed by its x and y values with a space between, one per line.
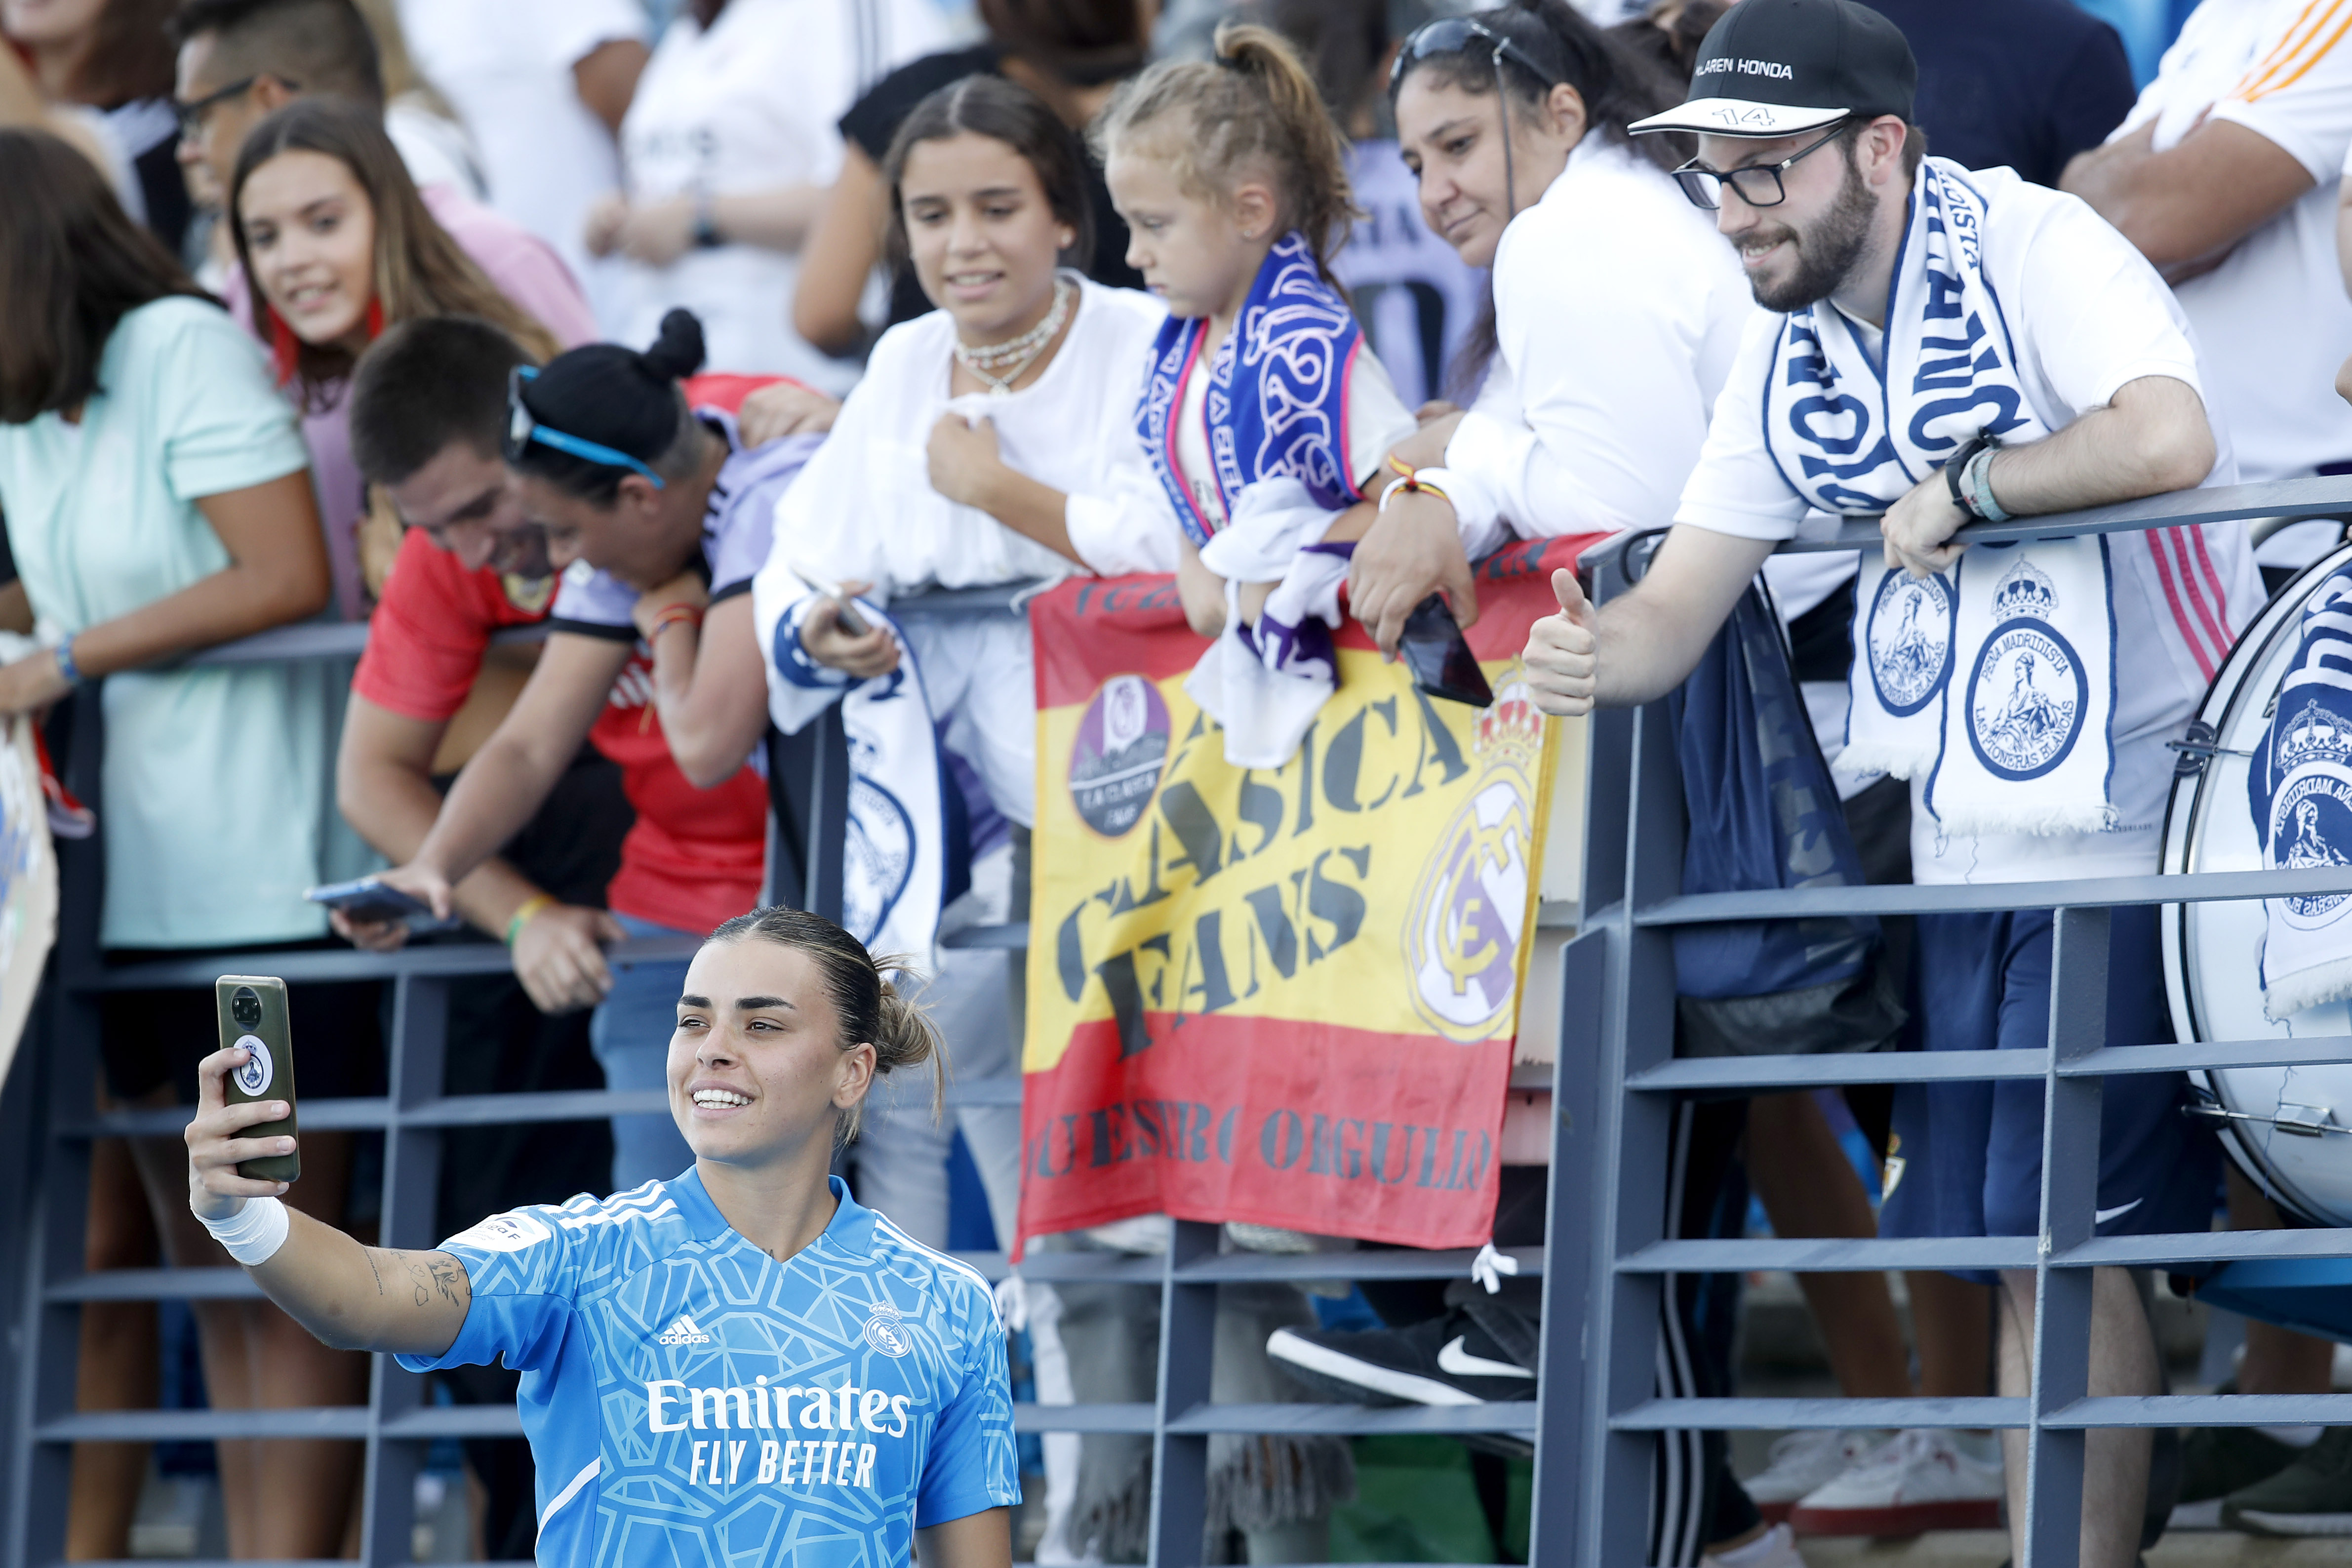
pixel 2027 693
pixel 885 1330
pixel 1461 939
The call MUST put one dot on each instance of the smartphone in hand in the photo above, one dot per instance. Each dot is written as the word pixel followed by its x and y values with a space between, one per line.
pixel 252 1009
pixel 368 901
pixel 847 617
pixel 1440 657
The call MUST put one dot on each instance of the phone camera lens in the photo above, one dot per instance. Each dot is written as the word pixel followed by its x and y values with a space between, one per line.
pixel 246 1007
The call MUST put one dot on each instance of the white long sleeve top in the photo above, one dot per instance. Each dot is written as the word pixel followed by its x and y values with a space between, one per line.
pixel 864 508
pixel 1618 310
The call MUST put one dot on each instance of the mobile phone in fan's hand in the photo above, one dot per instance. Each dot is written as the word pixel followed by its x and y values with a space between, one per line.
pixel 252 1010
pixel 368 901
pixel 845 615
pixel 1440 657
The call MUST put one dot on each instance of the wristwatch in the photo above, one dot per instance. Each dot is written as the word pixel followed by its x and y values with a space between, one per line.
pixel 706 227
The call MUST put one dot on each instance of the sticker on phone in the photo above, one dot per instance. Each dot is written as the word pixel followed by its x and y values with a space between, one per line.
pixel 259 1070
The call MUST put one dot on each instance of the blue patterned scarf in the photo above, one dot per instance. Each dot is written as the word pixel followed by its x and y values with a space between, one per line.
pixel 1278 402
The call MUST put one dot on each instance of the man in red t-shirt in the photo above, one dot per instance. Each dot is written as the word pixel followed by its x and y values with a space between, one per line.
pixel 427 413
pixel 629 663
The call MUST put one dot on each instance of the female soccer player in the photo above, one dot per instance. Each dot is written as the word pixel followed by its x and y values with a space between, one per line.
pixel 741 1363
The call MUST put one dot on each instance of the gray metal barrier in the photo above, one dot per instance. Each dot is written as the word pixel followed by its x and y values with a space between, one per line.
pixel 1609 1257
pixel 47 1122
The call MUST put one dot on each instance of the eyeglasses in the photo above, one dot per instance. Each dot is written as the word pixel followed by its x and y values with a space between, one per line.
pixel 1759 185
pixel 191 116
pixel 1457 35
pixel 522 429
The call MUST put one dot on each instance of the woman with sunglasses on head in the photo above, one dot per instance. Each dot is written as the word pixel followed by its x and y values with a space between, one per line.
pixel 1613 326
pixel 640 477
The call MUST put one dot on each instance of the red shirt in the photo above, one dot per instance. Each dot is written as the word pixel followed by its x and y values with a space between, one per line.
pixel 696 856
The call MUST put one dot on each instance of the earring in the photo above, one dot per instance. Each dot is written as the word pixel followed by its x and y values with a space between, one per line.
pixel 376 317
pixel 284 348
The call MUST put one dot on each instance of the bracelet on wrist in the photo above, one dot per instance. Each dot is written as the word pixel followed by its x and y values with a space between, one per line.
pixel 1977 483
pixel 1412 481
pixel 68 670
pixel 676 615
pixel 527 911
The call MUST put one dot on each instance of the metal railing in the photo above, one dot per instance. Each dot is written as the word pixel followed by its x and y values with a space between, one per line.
pixel 47 1122
pixel 1609 1256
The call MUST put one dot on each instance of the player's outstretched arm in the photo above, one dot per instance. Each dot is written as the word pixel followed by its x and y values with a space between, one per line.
pixel 982 1539
pixel 350 1297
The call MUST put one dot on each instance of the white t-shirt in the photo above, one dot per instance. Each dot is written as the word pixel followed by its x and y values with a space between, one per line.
pixel 2088 314
pixel 507 70
pixel 1073 429
pixel 751 104
pixel 1377 420
pixel 2273 323
pixel 1618 310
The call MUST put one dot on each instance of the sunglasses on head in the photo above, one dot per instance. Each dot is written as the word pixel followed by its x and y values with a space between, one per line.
pixel 1459 35
pixel 523 428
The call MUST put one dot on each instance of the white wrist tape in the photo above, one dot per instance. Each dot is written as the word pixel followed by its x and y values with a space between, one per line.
pixel 253 1234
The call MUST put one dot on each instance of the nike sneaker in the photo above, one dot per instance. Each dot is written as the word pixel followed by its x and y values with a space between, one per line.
pixel 2312 1495
pixel 2218 1461
pixel 1802 1463
pixel 1443 1361
pixel 1917 1480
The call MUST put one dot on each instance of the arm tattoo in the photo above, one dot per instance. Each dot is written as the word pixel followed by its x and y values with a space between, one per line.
pixel 369 1252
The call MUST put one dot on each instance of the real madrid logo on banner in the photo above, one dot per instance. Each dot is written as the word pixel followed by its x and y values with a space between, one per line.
pixel 1461 941
pixel 2027 693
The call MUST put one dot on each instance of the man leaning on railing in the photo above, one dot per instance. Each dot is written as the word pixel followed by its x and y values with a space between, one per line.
pixel 1958 346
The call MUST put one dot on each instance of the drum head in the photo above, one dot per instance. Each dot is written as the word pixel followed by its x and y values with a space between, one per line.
pixel 2212 952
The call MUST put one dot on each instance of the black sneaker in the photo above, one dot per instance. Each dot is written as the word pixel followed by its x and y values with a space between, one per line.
pixel 1443 1361
pixel 2312 1495
pixel 2218 1461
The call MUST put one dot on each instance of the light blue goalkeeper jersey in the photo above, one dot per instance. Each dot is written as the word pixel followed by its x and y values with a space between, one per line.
pixel 692 1402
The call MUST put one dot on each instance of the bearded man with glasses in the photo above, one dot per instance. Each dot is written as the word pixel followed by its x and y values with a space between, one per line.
pixel 1950 347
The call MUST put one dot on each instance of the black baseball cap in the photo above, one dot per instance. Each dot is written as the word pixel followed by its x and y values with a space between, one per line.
pixel 1780 67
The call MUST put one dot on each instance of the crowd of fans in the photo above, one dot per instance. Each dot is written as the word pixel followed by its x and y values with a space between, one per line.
pixel 665 334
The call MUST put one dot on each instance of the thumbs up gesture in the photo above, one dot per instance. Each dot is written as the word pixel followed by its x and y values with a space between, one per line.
pixel 1563 653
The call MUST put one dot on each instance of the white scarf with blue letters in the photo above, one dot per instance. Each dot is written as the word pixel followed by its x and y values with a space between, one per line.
pixel 1852 437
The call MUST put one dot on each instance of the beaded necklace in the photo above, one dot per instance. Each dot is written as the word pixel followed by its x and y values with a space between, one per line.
pixel 1002 365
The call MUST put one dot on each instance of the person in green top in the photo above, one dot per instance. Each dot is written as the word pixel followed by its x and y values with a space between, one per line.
pixel 158 500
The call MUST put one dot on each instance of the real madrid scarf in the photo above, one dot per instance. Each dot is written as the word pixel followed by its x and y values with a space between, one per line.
pixel 893 867
pixel 1277 397
pixel 2027 712
pixel 1852 436
pixel 1265 683
pixel 2299 786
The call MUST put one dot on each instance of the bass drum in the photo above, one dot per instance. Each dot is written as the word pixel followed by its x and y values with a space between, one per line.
pixel 2288 1129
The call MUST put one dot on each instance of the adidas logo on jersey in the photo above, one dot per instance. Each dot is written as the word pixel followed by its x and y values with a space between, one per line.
pixel 682 1332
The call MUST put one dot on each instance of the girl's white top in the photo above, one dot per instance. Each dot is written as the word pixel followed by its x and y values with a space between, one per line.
pixel 864 508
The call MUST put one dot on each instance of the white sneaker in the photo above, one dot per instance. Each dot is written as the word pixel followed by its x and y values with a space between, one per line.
pixel 1923 1479
pixel 1776 1547
pixel 1802 1463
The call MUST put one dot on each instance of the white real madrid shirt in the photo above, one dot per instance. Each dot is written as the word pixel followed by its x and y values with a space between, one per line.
pixel 2273 323
pixel 693 1402
pixel 2088 314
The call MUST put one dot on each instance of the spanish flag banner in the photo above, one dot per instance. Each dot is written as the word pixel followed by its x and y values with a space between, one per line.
pixel 1287 998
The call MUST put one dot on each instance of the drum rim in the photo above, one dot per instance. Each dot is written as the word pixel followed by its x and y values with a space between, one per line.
pixel 2280 614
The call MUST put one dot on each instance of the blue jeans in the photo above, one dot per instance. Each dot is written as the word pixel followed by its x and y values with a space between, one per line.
pixel 630 1032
